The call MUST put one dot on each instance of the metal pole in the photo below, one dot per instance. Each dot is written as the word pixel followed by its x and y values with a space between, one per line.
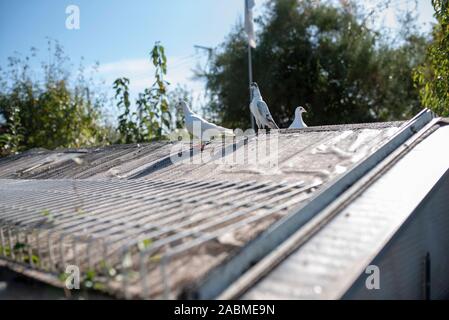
pixel 250 77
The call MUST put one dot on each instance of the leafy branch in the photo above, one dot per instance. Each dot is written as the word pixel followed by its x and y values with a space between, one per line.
pixel 153 117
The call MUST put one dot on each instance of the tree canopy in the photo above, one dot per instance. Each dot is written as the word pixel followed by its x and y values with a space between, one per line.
pixel 323 57
pixel 55 111
pixel 432 77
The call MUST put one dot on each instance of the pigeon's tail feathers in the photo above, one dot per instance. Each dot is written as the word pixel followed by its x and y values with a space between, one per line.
pixel 270 123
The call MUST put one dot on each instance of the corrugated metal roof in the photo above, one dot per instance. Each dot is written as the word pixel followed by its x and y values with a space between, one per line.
pixel 163 224
pixel 307 154
pixel 325 266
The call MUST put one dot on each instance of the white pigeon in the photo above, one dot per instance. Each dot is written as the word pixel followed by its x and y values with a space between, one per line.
pixel 201 128
pixel 260 110
pixel 298 123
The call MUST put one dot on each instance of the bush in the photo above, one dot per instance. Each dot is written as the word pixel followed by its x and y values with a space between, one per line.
pixel 52 112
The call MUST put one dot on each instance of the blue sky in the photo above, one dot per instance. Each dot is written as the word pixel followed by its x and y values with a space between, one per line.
pixel 119 34
pixel 115 29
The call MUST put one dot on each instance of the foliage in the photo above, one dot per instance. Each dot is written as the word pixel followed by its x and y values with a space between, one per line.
pixel 127 126
pixel 57 112
pixel 320 56
pixel 152 118
pixel 52 112
pixel 432 77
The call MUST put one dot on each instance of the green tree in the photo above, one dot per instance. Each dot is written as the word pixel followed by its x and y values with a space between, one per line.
pixel 320 56
pixel 50 112
pixel 432 77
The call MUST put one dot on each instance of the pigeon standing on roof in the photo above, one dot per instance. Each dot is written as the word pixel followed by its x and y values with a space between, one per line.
pixel 298 123
pixel 260 110
pixel 201 128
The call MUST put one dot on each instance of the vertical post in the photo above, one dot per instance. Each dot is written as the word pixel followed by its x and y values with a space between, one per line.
pixel 250 78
